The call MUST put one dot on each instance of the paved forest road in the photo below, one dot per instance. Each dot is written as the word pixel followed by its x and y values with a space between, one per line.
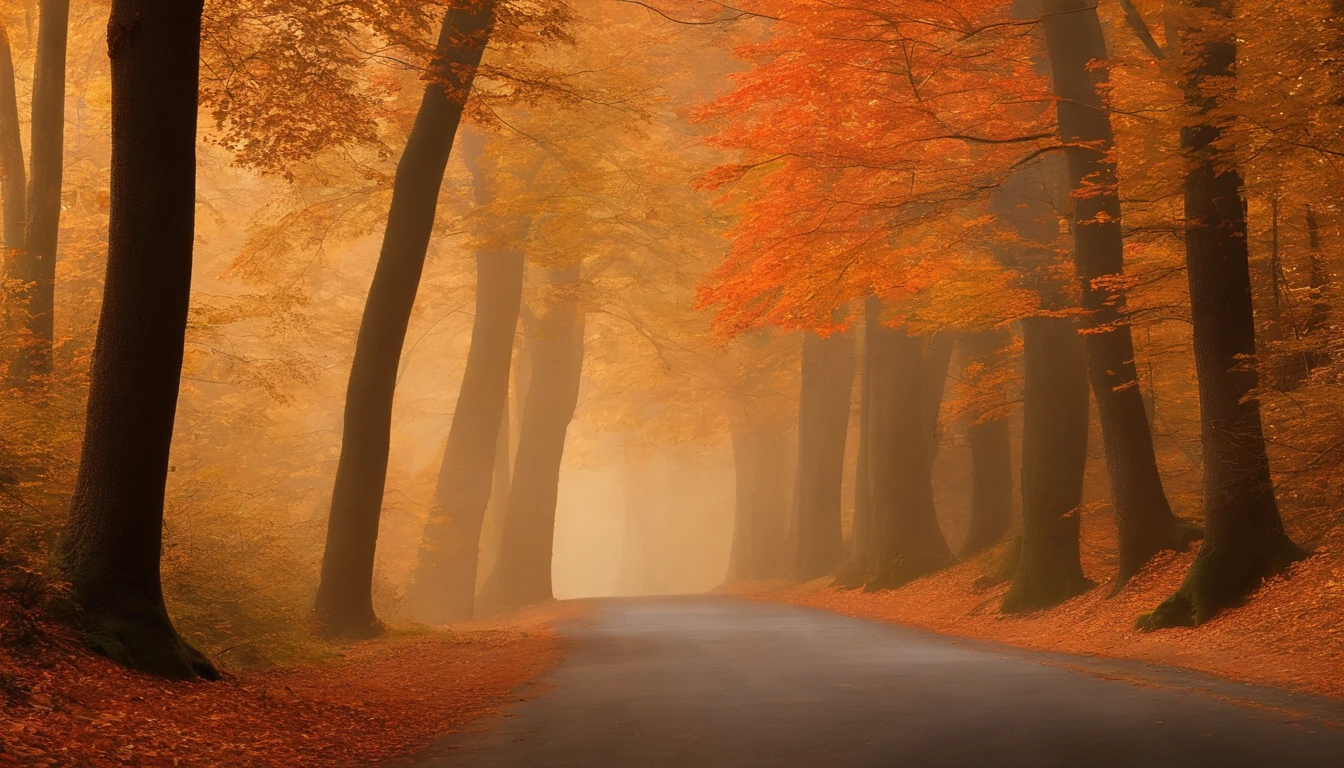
pixel 695 682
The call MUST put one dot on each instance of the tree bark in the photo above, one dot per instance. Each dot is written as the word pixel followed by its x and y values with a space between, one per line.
pixel 991 463
pixel 37 262
pixel 344 599
pixel 1244 541
pixel 1054 455
pixel 905 539
pixel 823 422
pixel 1075 42
pixel 523 570
pixel 937 362
pixel 13 186
pixel 854 571
pixel 444 587
pixel 113 540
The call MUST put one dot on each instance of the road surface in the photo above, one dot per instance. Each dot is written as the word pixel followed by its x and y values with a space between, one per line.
pixel 703 682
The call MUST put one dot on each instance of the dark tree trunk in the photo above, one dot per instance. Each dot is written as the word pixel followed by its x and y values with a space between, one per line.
pixel 1244 541
pixel 905 539
pixel 444 588
pixel 991 462
pixel 523 570
pixel 823 422
pixel 854 571
pixel 344 598
pixel 761 511
pixel 1054 455
pixel 37 262
pixel 13 187
pixel 113 540
pixel 1146 525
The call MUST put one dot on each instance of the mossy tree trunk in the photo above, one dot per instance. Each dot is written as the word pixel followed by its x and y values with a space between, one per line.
pixel 113 541
pixel 1077 50
pixel 823 423
pixel 522 572
pixel 444 586
pixel 1054 456
pixel 1244 540
pixel 344 598
pixel 991 458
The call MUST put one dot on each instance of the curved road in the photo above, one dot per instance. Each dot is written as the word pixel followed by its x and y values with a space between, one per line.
pixel 700 682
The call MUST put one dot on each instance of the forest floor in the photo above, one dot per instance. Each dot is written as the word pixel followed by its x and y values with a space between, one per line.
pixel 1290 634
pixel 61 705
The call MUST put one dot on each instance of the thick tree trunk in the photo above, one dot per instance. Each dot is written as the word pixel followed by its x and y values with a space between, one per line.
pixel 991 462
pixel 523 570
pixel 444 587
pixel 906 541
pixel 113 540
pixel 1054 455
pixel 1244 541
pixel 37 262
pixel 1146 525
pixel 13 187
pixel 761 517
pixel 823 422
pixel 344 598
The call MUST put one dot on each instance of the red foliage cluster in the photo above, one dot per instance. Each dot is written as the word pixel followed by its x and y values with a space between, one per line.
pixel 861 128
pixel 379 699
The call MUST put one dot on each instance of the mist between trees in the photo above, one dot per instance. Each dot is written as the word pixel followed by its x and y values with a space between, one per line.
pixel 324 318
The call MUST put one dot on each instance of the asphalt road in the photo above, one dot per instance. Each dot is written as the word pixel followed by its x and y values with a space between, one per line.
pixel 696 682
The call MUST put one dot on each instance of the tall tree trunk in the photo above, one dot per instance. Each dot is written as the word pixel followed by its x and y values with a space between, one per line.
pixel 906 541
pixel 13 187
pixel 344 597
pixel 854 571
pixel 37 262
pixel 1244 541
pixel 1075 43
pixel 991 461
pixel 444 587
pixel 1054 454
pixel 823 422
pixel 523 569
pixel 113 540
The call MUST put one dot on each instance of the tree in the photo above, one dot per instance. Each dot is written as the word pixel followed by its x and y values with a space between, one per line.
pixel 991 448
pixel 344 597
pixel 113 539
pixel 1054 452
pixel 1077 51
pixel 1244 540
pixel 12 175
pixel 899 539
pixel 36 262
pixel 823 421
pixel 444 588
pixel 522 572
